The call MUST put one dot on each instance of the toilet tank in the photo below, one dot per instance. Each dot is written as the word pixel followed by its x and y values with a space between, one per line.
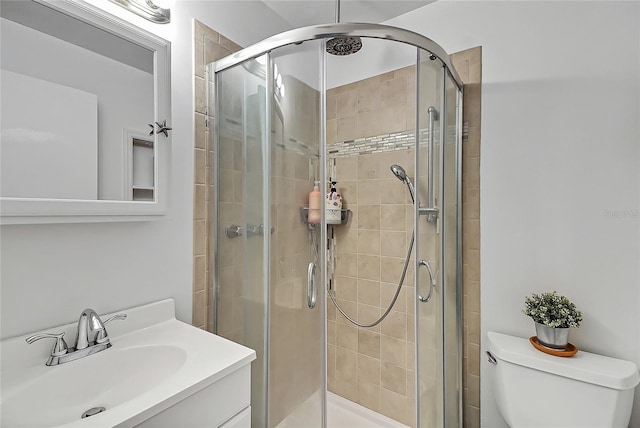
pixel 533 389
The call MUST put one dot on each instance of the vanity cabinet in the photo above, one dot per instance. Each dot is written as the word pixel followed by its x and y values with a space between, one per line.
pixel 241 420
pixel 226 403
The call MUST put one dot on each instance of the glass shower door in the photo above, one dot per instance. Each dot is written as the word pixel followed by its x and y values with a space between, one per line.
pixel 451 251
pixel 241 198
pixel 438 286
pixel 429 349
pixel 297 320
pixel 269 261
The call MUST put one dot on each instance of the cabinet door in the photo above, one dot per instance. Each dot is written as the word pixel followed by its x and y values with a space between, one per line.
pixel 209 407
pixel 241 420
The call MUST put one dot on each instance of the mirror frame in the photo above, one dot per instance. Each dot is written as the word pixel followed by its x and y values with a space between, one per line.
pixel 15 210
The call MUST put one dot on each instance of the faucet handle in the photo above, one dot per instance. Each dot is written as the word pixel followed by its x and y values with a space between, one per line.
pixel 59 348
pixel 102 335
pixel 115 317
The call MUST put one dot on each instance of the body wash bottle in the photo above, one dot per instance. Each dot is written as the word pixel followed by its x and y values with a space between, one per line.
pixel 315 198
pixel 333 205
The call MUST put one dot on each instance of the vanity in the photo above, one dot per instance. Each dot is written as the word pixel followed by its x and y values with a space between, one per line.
pixel 158 372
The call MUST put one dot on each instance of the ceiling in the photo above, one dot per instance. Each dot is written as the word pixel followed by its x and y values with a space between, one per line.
pixel 300 13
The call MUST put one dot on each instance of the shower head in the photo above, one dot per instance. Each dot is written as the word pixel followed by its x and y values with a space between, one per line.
pixel 399 172
pixel 342 46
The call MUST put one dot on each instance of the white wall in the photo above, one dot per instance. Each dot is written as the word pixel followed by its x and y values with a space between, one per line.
pixel 560 192
pixel 49 273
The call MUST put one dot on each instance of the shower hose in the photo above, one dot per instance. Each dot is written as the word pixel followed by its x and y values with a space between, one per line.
pixel 393 301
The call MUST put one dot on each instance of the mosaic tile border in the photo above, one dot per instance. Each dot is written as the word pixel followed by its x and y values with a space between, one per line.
pixel 367 145
pixel 384 143
pixel 379 143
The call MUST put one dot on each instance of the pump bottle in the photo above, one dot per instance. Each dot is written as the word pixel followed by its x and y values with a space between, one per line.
pixel 315 203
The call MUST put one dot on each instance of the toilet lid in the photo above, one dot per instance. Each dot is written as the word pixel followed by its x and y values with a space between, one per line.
pixel 584 366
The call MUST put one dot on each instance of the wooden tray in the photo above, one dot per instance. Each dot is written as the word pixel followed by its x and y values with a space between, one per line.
pixel 569 352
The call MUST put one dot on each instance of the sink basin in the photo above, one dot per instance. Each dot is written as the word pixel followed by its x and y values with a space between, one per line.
pixel 107 379
pixel 154 362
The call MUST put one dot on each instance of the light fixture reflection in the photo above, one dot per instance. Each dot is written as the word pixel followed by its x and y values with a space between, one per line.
pixel 146 9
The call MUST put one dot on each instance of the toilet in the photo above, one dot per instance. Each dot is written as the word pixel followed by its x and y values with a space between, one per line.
pixel 533 389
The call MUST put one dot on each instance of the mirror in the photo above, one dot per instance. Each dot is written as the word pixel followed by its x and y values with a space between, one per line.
pixel 84 95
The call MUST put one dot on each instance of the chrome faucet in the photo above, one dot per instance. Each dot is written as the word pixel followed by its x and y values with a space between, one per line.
pixel 91 337
pixel 89 324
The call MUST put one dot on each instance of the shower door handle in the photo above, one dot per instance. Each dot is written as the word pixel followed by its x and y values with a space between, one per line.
pixel 432 282
pixel 312 289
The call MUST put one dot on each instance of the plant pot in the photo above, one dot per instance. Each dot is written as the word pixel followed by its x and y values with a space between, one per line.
pixel 555 338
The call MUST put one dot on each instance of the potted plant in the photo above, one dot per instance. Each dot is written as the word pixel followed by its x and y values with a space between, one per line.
pixel 553 315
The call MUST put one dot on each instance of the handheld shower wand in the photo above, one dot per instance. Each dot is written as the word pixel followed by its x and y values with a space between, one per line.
pixel 399 172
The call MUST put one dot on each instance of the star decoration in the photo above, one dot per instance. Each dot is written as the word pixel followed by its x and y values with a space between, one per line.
pixel 162 128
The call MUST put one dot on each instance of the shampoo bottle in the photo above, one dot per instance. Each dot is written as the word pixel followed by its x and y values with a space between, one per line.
pixel 315 200
pixel 333 205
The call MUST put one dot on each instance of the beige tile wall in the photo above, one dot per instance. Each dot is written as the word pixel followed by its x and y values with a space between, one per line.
pixel 208 46
pixel 468 63
pixel 369 249
pixel 374 106
pixel 373 366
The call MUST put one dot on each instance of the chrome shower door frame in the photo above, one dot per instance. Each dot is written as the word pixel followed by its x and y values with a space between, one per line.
pixel 452 386
pixel 441 177
pixel 349 29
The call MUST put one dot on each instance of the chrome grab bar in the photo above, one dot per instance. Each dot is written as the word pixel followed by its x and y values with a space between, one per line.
pixel 431 211
pixel 432 282
pixel 312 290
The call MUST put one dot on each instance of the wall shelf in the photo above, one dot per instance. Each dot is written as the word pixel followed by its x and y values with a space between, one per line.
pixel 344 217
pixel 142 169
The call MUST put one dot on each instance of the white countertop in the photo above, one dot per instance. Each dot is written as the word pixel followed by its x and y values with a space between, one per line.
pixel 178 359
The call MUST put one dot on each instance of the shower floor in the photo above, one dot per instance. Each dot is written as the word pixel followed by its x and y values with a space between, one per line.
pixel 341 413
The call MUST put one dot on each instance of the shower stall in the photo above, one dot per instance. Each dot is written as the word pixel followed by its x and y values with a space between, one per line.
pixel 367 307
